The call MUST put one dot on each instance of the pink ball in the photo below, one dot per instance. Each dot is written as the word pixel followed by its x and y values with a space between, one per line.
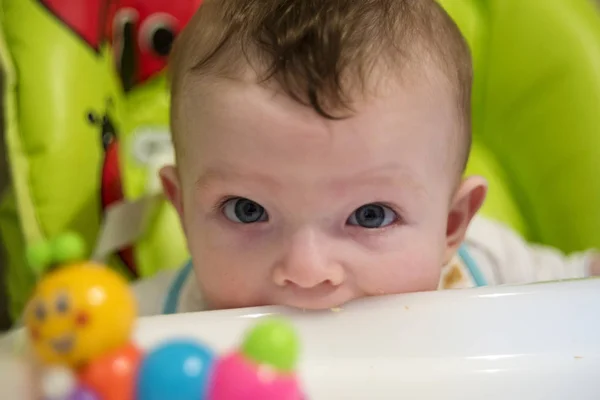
pixel 235 378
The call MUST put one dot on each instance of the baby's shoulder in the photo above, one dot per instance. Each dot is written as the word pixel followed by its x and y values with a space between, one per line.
pixel 481 255
pixel 493 238
pixel 482 227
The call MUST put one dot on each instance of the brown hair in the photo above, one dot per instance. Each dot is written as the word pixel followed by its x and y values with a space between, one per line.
pixel 318 51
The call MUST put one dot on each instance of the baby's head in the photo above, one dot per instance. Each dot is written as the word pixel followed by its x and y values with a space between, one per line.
pixel 320 148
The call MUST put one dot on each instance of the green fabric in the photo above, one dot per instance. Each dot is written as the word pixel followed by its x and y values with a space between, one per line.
pixel 500 203
pixel 536 114
pixel 147 108
pixel 536 119
pixel 20 275
pixel 55 153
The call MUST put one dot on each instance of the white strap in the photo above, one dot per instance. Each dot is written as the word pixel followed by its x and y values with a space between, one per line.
pixel 126 222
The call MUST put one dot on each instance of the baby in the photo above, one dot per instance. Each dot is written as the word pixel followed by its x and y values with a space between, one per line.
pixel 320 147
pixel 320 151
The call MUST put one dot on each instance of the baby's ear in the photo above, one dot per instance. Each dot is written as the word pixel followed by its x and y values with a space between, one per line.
pixel 172 188
pixel 466 202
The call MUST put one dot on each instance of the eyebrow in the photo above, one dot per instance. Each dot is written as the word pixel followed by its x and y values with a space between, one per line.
pixel 375 176
pixel 388 174
pixel 211 175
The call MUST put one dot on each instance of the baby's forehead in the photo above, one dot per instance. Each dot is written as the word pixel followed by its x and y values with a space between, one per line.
pixel 414 105
pixel 229 121
pixel 296 52
pixel 411 86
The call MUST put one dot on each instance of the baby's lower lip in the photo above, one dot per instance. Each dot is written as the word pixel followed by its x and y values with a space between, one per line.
pixel 316 301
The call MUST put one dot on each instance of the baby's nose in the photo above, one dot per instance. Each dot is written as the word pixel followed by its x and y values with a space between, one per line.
pixel 308 262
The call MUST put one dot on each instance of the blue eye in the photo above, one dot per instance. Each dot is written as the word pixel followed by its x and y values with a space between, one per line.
pixel 244 211
pixel 373 216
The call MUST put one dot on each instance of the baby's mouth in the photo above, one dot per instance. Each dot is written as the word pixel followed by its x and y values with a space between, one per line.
pixel 63 344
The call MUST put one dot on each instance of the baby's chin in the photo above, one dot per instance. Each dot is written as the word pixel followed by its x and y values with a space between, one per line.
pixel 315 300
pixel 304 304
pixel 214 304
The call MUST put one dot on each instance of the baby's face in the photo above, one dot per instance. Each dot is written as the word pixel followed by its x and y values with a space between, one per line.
pixel 281 206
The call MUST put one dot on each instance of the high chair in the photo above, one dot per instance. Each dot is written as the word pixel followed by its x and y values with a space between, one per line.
pixel 86 131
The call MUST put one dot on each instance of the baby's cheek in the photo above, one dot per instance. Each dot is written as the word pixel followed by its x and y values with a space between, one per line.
pixel 404 273
pixel 227 282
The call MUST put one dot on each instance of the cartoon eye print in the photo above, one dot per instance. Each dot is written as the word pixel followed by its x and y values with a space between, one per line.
pixel 40 312
pixel 123 17
pixel 62 303
pixel 108 133
pixel 107 128
pixel 157 34
pixel 151 144
pixel 123 22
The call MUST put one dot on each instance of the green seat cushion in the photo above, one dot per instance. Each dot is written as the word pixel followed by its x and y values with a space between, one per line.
pixel 536 114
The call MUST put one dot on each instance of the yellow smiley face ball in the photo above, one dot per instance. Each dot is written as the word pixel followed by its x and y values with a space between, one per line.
pixel 79 312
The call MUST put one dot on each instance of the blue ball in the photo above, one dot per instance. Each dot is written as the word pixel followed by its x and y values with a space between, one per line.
pixel 176 370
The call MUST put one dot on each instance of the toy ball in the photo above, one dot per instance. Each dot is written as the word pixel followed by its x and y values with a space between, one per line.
pixel 236 378
pixel 83 393
pixel 79 312
pixel 272 342
pixel 113 375
pixel 177 370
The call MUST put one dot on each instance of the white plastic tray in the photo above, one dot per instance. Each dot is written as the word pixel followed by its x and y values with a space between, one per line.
pixel 509 343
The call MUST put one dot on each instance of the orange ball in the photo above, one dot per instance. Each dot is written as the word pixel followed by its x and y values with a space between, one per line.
pixel 114 375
